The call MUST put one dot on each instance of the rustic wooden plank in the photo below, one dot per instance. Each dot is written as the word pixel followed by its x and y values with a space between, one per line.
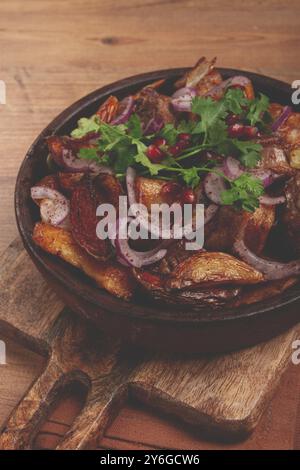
pixel 22 368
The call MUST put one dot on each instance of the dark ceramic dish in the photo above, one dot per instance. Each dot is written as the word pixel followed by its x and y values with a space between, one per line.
pixel 138 322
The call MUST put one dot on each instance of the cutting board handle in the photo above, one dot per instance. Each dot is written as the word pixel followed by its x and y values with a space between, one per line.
pixel 22 289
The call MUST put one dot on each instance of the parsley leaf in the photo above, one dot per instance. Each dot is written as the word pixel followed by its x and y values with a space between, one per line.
pixel 250 152
pixel 244 193
pixel 86 125
pixel 170 133
pixel 257 108
pixel 153 168
pixel 211 113
pixel 134 126
pixel 89 153
pixel 191 176
pixel 235 100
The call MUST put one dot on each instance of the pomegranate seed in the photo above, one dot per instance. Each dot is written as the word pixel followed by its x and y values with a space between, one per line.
pixel 236 130
pixel 175 149
pixel 154 153
pixel 160 142
pixel 171 189
pixel 232 119
pixel 188 196
pixel 184 136
pixel 250 132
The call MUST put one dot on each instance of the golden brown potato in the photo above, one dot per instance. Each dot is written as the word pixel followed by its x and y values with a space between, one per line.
pixel 153 286
pixel 274 158
pixel 258 228
pixel 209 268
pixel 200 70
pixel 261 292
pixel 109 275
pixel 149 191
pixel 290 130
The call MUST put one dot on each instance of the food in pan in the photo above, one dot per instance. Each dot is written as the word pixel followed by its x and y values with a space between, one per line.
pixel 211 142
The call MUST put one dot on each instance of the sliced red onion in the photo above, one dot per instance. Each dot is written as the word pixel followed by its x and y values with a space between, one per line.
pixel 126 106
pixel 135 258
pixel 79 165
pixel 286 112
pixel 218 90
pixel 214 185
pixel 54 208
pixel 267 177
pixel 154 125
pixel 238 80
pixel 182 99
pixel 272 201
pixel 232 168
pixel 272 270
pixel 130 184
pixel 184 91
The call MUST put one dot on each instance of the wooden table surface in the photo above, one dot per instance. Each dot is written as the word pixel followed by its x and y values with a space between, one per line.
pixel 55 51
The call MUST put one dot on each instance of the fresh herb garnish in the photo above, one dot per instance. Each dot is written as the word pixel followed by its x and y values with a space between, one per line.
pixel 244 192
pixel 120 146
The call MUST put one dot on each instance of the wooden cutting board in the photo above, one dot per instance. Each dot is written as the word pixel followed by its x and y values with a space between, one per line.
pixel 224 394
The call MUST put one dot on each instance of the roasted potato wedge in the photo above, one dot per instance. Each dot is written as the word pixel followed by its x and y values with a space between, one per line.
pixel 150 191
pixel 264 291
pixel 109 275
pixel 290 130
pixel 212 269
pixel 200 70
pixel 274 158
pixel 153 285
pixel 258 228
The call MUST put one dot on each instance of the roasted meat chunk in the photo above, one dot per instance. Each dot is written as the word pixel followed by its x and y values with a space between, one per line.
pixel 84 202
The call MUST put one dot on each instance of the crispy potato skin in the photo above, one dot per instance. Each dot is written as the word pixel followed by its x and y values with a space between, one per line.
pixel 274 158
pixel 111 276
pixel 258 228
pixel 209 268
pixel 258 293
pixel 214 297
pixel 290 131
pixel 149 191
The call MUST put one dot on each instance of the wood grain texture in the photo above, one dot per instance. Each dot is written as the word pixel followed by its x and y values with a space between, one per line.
pixel 225 395
pixel 53 52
